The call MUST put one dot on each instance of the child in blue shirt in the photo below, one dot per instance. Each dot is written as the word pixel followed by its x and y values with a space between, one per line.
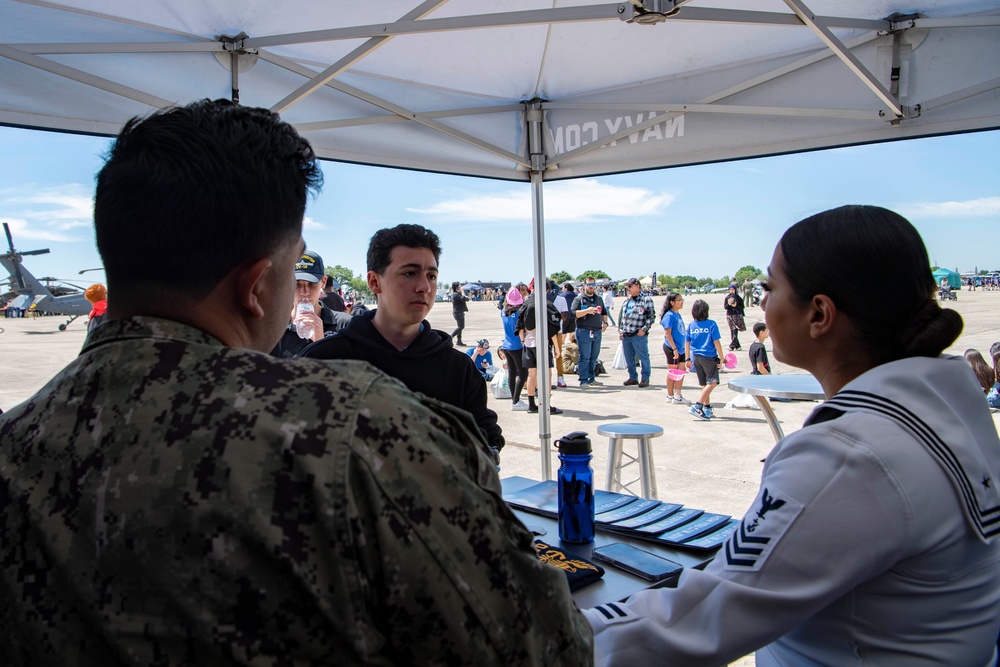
pixel 674 333
pixel 481 357
pixel 703 349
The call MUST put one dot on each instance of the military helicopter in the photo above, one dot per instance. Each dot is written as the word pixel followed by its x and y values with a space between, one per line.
pixel 23 282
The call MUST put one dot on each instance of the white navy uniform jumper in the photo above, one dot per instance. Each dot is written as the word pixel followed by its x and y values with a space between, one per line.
pixel 872 541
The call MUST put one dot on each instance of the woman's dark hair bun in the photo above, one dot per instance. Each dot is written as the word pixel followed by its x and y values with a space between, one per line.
pixel 930 330
pixel 844 251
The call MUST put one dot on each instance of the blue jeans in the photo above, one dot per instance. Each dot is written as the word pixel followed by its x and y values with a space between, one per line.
pixel 636 346
pixel 589 342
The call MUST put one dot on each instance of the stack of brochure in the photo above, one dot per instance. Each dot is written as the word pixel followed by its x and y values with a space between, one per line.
pixel 652 520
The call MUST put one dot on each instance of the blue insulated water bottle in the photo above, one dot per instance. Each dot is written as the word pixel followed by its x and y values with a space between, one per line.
pixel 576 488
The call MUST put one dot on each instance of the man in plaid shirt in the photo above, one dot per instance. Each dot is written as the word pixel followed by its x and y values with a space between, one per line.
pixel 637 317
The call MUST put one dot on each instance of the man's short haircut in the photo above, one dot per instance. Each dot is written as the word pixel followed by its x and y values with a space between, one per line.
pixel 699 311
pixel 409 236
pixel 758 327
pixel 187 194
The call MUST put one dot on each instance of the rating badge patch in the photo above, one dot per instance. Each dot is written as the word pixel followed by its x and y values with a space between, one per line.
pixel 760 530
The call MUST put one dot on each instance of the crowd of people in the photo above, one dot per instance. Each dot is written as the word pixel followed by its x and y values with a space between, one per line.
pixel 990 283
pixel 177 495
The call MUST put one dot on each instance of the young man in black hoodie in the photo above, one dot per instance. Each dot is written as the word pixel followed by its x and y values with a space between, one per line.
pixel 397 339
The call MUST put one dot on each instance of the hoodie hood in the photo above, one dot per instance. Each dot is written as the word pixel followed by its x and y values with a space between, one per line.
pixel 428 342
pixel 430 365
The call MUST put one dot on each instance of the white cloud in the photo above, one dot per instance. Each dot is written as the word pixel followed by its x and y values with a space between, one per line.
pixel 973 208
pixel 45 213
pixel 570 201
pixel 309 223
pixel 20 230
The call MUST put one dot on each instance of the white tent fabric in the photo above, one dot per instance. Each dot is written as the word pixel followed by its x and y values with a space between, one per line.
pixel 522 90
pixel 441 85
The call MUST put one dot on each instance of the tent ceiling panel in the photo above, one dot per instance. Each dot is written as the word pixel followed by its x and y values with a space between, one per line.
pixel 442 89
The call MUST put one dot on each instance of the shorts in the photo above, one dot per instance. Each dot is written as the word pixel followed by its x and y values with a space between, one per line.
pixel 707 369
pixel 569 324
pixel 530 360
pixel 672 358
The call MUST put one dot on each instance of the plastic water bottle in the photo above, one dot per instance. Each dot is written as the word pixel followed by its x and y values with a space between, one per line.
pixel 302 328
pixel 575 481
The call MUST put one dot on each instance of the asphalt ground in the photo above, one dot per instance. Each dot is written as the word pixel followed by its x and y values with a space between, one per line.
pixel 712 465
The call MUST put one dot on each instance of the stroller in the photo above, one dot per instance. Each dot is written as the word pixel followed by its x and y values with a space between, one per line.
pixel 947 294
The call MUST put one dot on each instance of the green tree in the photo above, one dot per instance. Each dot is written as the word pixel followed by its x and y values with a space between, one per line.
pixel 560 277
pixel 341 274
pixel 360 285
pixel 595 274
pixel 747 271
pixel 347 279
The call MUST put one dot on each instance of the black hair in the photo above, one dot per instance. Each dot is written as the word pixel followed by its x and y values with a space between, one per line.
pixel 409 236
pixel 699 311
pixel 189 193
pixel 671 297
pixel 843 251
pixel 758 327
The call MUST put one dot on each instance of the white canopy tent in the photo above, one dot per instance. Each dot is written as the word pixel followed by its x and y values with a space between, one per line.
pixel 524 90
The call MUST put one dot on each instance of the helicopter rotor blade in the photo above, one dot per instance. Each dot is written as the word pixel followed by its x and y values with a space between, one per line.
pixel 15 256
pixel 10 241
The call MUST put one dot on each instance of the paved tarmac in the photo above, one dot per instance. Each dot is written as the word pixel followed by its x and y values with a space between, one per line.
pixel 712 465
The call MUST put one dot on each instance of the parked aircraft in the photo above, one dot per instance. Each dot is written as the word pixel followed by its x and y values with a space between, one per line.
pixel 23 282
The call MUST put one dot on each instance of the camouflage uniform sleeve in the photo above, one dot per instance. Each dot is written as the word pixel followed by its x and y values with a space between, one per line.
pixel 448 573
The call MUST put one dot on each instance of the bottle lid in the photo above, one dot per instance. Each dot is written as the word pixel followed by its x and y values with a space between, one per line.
pixel 576 442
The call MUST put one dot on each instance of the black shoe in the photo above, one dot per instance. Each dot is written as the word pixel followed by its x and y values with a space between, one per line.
pixel 644 383
pixel 533 409
pixel 553 410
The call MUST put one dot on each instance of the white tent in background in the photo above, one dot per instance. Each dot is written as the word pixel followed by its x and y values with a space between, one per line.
pixel 523 90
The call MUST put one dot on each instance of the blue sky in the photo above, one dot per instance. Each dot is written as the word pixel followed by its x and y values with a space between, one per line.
pixel 704 220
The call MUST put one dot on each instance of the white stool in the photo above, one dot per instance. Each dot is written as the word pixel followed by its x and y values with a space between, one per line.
pixel 643 434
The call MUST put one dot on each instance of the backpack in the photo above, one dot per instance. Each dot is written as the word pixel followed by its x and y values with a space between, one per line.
pixel 526 319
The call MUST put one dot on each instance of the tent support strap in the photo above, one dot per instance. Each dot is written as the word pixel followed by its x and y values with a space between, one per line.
pixel 536 151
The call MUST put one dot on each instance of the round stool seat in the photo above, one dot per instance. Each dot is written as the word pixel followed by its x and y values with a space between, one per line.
pixel 643 434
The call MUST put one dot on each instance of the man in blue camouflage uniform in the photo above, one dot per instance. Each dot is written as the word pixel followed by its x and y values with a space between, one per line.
pixel 176 496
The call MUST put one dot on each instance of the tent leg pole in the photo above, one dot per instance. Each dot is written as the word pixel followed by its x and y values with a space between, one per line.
pixel 536 150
